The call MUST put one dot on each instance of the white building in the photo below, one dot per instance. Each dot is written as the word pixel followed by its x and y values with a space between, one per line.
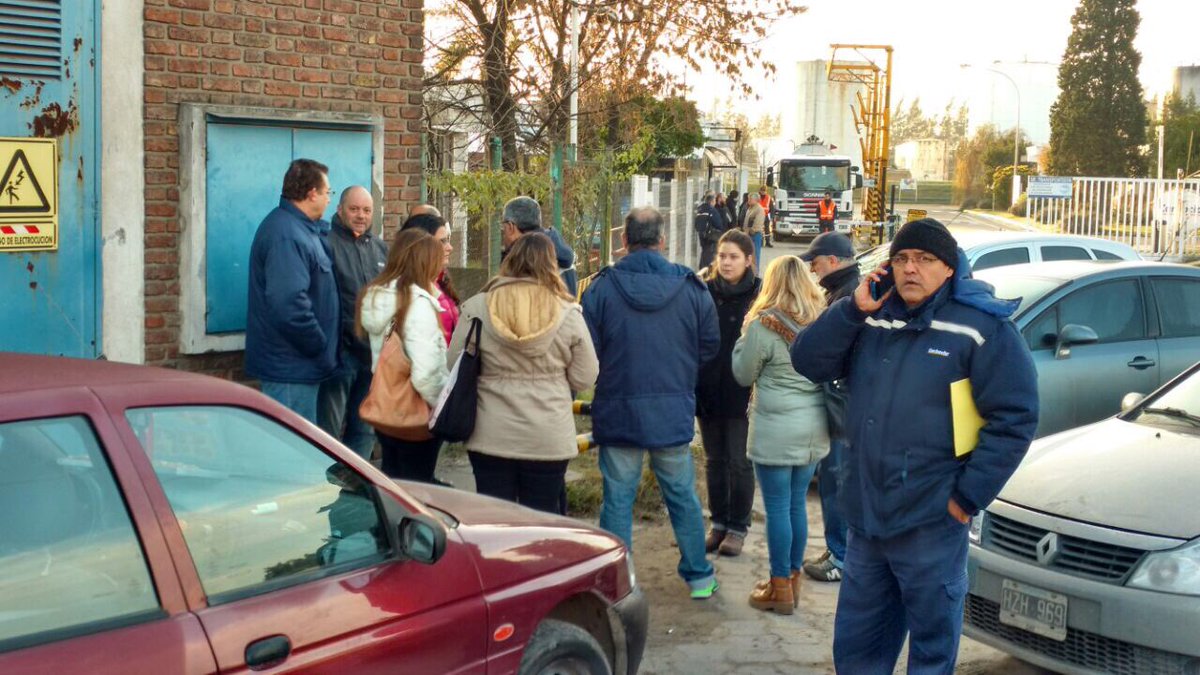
pixel 1186 82
pixel 819 108
pixel 924 158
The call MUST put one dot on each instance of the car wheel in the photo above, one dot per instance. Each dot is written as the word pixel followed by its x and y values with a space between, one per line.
pixel 561 648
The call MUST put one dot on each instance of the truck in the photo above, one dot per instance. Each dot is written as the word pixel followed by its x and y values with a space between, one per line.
pixel 800 181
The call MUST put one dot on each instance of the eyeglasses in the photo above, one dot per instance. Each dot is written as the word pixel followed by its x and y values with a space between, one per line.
pixel 923 260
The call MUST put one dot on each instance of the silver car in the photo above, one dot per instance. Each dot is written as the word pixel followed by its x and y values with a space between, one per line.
pixel 1089 561
pixel 988 249
pixel 1098 330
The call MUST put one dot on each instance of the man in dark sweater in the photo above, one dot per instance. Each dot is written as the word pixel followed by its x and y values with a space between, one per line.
pixel 358 257
pixel 831 257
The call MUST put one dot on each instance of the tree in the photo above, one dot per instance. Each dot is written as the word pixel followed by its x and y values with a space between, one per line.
pixel 515 52
pixel 1098 123
pixel 1181 136
pixel 913 124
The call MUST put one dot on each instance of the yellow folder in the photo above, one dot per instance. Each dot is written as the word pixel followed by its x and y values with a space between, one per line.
pixel 967 421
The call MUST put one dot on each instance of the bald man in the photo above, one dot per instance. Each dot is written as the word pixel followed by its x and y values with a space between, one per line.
pixel 419 209
pixel 358 257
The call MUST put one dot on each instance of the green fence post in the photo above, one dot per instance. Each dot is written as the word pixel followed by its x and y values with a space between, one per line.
pixel 495 244
pixel 556 183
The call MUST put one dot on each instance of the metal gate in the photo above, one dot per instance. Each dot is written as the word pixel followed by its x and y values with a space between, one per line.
pixel 1156 217
pixel 48 89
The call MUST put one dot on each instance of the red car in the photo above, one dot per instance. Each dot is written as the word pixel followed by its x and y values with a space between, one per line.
pixel 156 521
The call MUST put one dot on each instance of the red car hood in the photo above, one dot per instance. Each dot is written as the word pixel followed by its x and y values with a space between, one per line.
pixel 511 542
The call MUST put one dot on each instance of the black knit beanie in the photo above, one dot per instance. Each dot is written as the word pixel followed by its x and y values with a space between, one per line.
pixel 927 235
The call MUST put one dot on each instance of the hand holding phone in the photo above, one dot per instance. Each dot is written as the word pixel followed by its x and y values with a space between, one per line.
pixel 885 283
pixel 874 289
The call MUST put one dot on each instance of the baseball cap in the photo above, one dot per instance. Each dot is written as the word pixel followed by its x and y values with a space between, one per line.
pixel 829 243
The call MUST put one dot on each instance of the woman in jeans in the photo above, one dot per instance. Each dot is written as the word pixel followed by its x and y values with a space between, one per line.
pixel 788 427
pixel 535 350
pixel 721 402
pixel 402 298
pixel 446 295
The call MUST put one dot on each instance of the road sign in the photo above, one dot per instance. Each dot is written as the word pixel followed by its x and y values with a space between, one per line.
pixel 28 194
pixel 1178 205
pixel 916 214
pixel 908 184
pixel 1050 187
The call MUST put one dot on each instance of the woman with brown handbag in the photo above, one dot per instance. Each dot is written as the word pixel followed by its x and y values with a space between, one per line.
pixel 399 311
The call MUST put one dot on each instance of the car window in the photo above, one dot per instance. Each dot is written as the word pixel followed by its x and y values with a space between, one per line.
pixel 70 560
pixel 1105 255
pixel 1064 253
pixel 260 507
pixel 1178 306
pixel 1005 256
pixel 1112 309
pixel 1042 332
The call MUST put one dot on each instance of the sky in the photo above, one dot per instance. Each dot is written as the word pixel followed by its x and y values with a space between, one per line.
pixel 931 38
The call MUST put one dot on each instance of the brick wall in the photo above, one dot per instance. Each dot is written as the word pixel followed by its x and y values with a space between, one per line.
pixel 322 55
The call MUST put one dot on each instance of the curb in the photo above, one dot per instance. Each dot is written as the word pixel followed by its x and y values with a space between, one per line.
pixel 1007 223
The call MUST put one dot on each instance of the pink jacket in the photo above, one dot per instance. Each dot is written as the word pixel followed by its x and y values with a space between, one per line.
pixel 448 315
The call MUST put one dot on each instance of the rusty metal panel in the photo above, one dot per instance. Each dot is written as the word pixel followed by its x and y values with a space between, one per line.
pixel 48 89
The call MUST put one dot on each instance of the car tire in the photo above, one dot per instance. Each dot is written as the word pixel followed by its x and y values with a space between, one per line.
pixel 561 648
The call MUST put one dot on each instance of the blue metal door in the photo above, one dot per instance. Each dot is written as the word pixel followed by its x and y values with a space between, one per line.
pixel 243 181
pixel 48 89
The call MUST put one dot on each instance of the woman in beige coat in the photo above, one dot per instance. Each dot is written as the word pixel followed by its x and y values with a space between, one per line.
pixel 535 350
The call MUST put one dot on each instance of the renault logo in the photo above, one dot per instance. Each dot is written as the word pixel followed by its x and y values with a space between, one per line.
pixel 1047 549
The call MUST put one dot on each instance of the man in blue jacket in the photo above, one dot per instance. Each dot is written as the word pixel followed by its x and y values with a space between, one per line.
pixel 908 496
pixel 523 215
pixel 292 306
pixel 653 323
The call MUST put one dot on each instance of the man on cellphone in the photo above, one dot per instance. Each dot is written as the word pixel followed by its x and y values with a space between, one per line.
pixel 909 492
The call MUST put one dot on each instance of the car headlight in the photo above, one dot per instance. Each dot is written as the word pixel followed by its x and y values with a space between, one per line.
pixel 1174 571
pixel 976 531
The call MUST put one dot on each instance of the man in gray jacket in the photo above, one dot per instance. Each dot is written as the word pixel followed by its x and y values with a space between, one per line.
pixel 358 257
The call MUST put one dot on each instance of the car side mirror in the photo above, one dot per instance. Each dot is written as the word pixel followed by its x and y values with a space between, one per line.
pixel 1131 400
pixel 858 181
pixel 421 539
pixel 1073 334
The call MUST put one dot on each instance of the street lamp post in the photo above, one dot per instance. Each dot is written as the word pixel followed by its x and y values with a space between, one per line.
pixel 1016 179
pixel 574 109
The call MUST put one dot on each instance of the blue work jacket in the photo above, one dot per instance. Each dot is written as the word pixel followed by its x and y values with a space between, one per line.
pixel 653 324
pixel 901 469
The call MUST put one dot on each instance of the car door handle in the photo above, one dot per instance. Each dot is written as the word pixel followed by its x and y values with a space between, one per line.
pixel 267 652
pixel 1140 363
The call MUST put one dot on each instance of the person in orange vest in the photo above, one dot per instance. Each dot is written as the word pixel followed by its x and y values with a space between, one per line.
pixel 768 204
pixel 826 213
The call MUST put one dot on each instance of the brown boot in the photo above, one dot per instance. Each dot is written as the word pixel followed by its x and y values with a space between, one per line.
pixel 797 577
pixel 776 597
pixel 713 540
pixel 732 545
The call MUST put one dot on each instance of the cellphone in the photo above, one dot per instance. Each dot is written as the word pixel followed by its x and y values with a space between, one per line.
pixel 880 288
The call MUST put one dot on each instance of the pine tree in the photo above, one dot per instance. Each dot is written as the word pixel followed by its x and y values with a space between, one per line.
pixel 1098 123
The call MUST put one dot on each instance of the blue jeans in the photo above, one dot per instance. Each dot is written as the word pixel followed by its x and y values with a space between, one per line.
pixel 829 484
pixel 299 397
pixel 622 471
pixel 758 261
pixel 913 583
pixel 337 405
pixel 783 490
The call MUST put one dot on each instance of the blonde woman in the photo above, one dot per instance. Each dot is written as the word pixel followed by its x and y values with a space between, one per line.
pixel 788 428
pixel 536 349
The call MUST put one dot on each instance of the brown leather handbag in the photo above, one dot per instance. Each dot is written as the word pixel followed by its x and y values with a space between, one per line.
pixel 393 406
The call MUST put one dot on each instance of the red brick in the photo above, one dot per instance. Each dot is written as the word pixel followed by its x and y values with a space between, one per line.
pixel 187 34
pixel 281 89
pixel 203 5
pixel 156 15
pixel 252 40
pixel 191 19
pixel 316 76
pixel 278 59
pixel 224 21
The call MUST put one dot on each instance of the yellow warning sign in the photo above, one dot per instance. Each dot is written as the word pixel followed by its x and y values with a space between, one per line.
pixel 28 194
pixel 916 214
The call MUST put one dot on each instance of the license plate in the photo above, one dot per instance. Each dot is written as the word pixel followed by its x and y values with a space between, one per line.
pixel 1033 609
